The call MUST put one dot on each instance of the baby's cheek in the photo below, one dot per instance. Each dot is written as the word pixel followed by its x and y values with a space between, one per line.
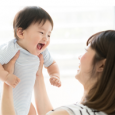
pixel 35 42
pixel 47 43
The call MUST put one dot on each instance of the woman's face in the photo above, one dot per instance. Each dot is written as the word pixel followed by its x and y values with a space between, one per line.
pixel 85 66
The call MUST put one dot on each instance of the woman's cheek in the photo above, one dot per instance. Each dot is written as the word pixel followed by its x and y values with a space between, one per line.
pixel 83 57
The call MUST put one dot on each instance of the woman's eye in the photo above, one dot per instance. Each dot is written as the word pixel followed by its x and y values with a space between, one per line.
pixel 85 49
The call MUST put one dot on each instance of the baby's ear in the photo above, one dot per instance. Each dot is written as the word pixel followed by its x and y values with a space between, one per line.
pixel 20 33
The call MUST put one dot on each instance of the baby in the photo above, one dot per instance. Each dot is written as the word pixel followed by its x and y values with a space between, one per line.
pixel 32 30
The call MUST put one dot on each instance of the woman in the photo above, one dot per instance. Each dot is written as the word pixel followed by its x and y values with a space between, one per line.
pixel 96 73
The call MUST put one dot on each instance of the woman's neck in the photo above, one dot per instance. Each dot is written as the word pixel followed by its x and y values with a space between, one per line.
pixel 84 96
pixel 87 88
pixel 85 93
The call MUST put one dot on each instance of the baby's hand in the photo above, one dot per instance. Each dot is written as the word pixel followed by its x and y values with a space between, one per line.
pixel 55 81
pixel 12 80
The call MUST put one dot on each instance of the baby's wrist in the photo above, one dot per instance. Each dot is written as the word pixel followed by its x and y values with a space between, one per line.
pixel 4 75
pixel 55 76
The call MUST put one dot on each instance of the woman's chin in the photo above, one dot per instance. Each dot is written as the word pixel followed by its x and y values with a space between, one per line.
pixel 77 76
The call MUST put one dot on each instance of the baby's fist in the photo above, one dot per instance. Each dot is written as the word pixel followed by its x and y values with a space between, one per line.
pixel 12 80
pixel 55 81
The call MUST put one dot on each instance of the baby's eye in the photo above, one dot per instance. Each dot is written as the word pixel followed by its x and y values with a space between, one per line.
pixel 41 32
pixel 48 35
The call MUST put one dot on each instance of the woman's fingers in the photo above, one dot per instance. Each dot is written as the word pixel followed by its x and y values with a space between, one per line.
pixel 41 59
pixel 13 60
pixel 39 72
pixel 10 65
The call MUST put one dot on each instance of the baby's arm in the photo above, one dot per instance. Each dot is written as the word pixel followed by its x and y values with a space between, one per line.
pixel 54 73
pixel 8 78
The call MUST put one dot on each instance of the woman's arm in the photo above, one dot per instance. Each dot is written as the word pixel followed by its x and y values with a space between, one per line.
pixel 42 101
pixel 7 106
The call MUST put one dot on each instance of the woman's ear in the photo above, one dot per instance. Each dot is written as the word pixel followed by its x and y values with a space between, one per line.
pixel 20 33
pixel 101 65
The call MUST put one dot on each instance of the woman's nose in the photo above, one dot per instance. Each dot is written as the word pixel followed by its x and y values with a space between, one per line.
pixel 79 57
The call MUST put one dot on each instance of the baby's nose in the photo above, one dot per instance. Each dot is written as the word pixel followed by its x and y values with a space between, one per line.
pixel 45 38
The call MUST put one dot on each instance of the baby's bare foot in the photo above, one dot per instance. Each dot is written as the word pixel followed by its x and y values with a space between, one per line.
pixel 12 80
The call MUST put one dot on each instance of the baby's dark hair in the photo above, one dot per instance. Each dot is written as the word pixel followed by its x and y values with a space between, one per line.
pixel 32 14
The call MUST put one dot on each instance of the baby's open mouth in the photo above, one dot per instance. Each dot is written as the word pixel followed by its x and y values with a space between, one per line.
pixel 40 45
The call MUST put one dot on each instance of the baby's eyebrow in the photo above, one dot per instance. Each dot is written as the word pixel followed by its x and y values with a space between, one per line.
pixel 44 29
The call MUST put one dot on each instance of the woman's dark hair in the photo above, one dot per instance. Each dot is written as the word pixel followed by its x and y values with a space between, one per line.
pixel 29 15
pixel 102 96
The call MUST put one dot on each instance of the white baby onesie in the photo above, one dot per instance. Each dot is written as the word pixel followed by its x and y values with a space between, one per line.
pixel 26 67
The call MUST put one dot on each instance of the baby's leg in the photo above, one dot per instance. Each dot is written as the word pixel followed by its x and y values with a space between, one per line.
pixel 7 106
pixel 32 110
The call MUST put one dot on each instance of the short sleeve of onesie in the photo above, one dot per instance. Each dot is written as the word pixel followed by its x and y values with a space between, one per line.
pixel 9 49
pixel 48 60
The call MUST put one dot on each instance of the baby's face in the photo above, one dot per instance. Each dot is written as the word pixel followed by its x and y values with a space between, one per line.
pixel 37 37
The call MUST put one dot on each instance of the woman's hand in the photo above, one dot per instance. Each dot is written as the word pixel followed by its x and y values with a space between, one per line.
pixel 42 101
pixel 11 79
pixel 39 72
pixel 10 66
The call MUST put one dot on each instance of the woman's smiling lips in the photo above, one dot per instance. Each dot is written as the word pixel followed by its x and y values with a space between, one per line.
pixel 78 67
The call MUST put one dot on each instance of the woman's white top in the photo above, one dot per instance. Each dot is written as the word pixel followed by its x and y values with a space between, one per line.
pixel 78 109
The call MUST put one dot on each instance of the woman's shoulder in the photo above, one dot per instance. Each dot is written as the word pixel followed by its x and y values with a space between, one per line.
pixel 79 109
pixel 75 109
